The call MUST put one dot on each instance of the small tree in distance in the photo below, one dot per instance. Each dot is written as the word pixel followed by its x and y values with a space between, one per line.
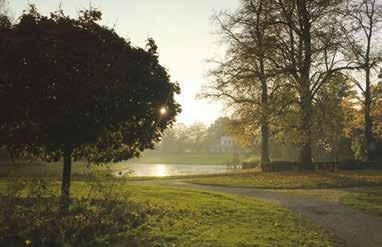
pixel 73 89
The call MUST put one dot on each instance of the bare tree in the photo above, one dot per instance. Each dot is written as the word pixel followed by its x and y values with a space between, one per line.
pixel 281 52
pixel 247 78
pixel 310 44
pixel 363 21
pixel 4 7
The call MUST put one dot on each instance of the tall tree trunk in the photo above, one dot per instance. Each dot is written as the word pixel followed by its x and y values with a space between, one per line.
pixel 306 132
pixel 65 186
pixel 369 137
pixel 305 57
pixel 264 121
pixel 264 143
pixel 264 110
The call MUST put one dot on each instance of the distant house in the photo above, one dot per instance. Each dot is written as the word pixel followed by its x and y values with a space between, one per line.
pixel 225 145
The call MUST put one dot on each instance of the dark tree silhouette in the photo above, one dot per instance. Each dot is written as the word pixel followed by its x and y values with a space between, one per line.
pixel 73 89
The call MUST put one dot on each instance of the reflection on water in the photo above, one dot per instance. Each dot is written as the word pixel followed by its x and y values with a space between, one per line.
pixel 162 170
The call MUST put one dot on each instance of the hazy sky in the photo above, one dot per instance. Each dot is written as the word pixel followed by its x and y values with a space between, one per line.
pixel 181 28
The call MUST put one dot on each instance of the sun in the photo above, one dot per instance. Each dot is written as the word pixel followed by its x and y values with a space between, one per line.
pixel 163 110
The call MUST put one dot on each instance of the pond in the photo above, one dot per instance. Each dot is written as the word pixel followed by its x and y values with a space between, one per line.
pixel 163 170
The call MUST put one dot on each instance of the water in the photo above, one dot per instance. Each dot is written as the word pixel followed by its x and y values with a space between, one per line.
pixel 163 170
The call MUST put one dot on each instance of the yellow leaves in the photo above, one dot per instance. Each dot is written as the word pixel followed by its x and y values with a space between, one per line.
pixel 28 243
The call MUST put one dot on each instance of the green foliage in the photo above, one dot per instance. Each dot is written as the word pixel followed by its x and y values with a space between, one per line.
pixel 74 82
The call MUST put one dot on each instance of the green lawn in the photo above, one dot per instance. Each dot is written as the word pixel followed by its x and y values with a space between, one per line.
pixel 367 197
pixel 117 214
pixel 295 180
pixel 367 200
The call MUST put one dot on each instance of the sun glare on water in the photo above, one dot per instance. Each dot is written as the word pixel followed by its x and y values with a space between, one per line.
pixel 161 171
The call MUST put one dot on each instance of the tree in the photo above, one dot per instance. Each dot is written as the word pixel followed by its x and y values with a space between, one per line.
pixel 329 118
pixel 309 45
pixel 247 78
pixel 79 91
pixel 3 7
pixel 363 21
pixel 281 52
pixel 176 139
pixel 197 134
pixel 218 129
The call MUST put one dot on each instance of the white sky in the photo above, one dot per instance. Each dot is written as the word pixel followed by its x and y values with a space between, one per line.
pixel 183 32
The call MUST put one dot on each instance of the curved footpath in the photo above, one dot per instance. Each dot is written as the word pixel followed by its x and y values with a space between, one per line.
pixel 355 228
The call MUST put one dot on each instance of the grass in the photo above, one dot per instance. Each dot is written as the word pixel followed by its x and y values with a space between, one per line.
pixel 182 217
pixel 337 187
pixel 214 219
pixel 295 180
pixel 368 201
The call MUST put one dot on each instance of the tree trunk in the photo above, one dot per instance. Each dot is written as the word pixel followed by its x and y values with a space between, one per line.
pixel 65 187
pixel 369 137
pixel 305 58
pixel 264 112
pixel 306 133
pixel 264 143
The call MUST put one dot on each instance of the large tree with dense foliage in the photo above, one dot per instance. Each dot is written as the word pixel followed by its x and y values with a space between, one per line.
pixel 73 89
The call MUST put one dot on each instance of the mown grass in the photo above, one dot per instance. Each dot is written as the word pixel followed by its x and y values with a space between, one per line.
pixel 295 180
pixel 160 217
pixel 367 197
pixel 368 201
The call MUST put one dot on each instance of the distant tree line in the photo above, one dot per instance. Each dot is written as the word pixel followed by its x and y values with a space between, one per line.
pixel 197 137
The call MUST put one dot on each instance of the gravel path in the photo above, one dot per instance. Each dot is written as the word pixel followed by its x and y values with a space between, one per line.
pixel 355 228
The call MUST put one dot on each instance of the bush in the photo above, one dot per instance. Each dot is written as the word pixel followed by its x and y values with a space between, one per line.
pixel 278 166
pixel 350 164
pixel 249 164
pixel 357 165
pixel 326 166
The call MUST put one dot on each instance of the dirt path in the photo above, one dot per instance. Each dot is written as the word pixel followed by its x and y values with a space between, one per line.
pixel 355 228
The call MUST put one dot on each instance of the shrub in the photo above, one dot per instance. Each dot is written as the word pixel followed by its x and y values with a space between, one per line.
pixel 350 164
pixel 249 164
pixel 357 165
pixel 278 166
pixel 326 166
